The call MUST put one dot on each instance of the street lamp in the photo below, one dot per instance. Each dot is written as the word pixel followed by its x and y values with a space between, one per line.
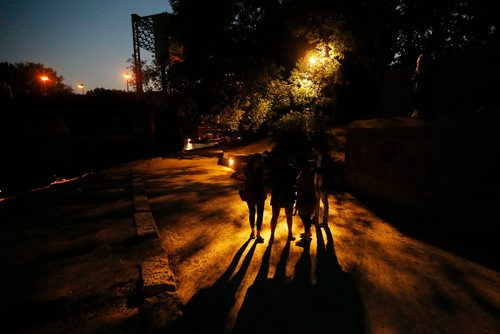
pixel 127 78
pixel 44 79
pixel 82 87
pixel 313 60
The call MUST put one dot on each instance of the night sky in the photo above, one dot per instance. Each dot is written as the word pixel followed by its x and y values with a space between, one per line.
pixel 84 41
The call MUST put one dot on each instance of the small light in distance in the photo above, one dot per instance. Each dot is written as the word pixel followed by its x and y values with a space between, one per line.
pixel 231 162
pixel 189 145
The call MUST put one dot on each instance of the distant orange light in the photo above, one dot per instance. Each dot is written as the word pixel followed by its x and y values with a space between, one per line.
pixel 82 87
pixel 231 162
pixel 127 78
pixel 44 78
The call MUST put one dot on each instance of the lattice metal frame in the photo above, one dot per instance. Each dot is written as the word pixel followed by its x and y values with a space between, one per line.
pixel 143 37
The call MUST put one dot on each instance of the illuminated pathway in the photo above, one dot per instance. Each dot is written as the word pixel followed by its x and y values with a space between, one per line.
pixel 386 283
pixel 408 286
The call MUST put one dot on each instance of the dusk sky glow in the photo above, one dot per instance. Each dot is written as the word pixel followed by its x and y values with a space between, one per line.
pixel 86 42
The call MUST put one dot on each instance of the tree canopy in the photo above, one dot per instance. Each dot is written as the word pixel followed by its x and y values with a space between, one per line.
pixel 28 78
pixel 251 62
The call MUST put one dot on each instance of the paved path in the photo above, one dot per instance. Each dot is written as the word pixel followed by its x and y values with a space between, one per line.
pixel 70 264
pixel 360 274
pixel 70 258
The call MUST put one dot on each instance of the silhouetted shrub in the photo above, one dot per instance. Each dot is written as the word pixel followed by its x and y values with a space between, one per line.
pixel 295 130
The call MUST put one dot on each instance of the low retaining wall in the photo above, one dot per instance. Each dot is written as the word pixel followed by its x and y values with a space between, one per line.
pixel 156 276
pixel 444 169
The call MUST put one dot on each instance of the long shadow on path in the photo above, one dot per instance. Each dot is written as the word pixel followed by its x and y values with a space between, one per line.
pixel 277 306
pixel 208 309
pixel 336 303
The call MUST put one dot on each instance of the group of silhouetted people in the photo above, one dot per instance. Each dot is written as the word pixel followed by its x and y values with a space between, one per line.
pixel 302 185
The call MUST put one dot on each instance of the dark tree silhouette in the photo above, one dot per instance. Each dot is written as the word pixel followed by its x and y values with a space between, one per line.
pixel 26 79
pixel 234 48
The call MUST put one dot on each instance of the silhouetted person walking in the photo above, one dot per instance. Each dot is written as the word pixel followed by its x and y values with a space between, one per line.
pixel 421 83
pixel 306 198
pixel 255 192
pixel 323 171
pixel 283 177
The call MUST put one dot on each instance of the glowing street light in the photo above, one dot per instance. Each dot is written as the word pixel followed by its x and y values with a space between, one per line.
pixel 127 78
pixel 320 56
pixel 82 87
pixel 44 79
pixel 313 60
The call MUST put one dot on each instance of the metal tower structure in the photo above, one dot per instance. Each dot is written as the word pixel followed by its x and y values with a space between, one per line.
pixel 151 33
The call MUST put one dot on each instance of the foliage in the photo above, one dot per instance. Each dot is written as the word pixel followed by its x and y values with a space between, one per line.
pixel 441 26
pixel 313 74
pixel 229 119
pixel 256 109
pixel 26 79
pixel 297 123
pixel 254 57
pixel 270 96
pixel 151 75
pixel 296 129
pixel 251 98
pixel 104 91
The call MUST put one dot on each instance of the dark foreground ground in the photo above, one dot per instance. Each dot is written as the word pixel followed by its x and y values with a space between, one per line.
pixel 70 261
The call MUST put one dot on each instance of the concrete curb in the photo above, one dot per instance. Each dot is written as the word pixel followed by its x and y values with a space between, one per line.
pixel 145 225
pixel 157 277
pixel 155 273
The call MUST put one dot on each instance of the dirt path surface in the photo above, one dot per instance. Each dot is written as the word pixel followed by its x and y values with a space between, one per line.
pixel 360 274
pixel 70 263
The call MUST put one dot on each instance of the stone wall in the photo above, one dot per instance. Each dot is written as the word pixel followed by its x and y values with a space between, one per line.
pixel 448 168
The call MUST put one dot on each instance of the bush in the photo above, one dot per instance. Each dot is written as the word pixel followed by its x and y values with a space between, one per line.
pixel 230 119
pixel 293 132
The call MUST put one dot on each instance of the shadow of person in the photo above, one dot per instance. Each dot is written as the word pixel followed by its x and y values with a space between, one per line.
pixel 328 268
pixel 336 300
pixel 297 306
pixel 207 310
pixel 302 271
pixel 255 303
pixel 268 301
pixel 280 273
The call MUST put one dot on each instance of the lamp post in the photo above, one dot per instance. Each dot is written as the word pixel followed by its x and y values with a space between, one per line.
pixel 127 78
pixel 82 87
pixel 44 79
